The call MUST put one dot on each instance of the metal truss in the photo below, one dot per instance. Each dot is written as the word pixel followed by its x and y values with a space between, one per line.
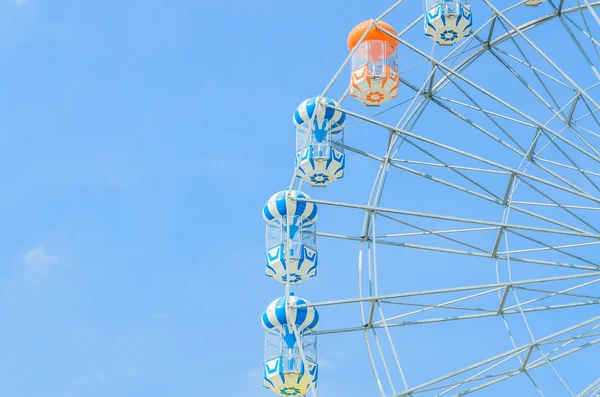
pixel 467 302
pixel 486 376
pixel 550 153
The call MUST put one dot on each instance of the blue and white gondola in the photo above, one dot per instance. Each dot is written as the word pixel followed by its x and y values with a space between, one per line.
pixel 448 21
pixel 319 130
pixel 286 374
pixel 303 258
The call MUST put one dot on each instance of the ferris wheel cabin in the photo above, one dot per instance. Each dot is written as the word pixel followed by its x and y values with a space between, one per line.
pixel 290 234
pixel 447 21
pixel 375 78
pixel 286 371
pixel 320 154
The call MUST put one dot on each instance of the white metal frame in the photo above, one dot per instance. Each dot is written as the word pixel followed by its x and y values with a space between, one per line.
pixel 449 71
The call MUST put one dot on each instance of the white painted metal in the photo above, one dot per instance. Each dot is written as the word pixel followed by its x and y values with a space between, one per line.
pixel 512 46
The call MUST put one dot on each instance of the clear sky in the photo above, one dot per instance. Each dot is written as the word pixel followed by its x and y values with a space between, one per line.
pixel 140 140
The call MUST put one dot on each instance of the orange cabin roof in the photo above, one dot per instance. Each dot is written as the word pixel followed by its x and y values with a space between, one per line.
pixel 373 34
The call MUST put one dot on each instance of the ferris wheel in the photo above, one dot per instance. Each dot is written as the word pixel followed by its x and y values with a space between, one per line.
pixel 478 243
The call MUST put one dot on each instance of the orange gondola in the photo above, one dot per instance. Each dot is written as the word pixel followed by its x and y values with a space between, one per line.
pixel 375 78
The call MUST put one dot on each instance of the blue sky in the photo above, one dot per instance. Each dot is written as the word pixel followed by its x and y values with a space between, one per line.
pixel 138 143
pixel 140 140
